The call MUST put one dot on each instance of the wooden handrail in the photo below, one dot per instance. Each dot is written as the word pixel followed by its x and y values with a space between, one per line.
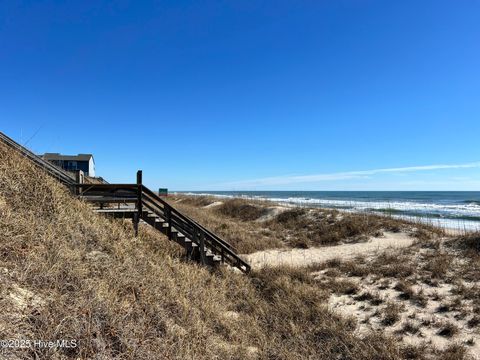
pixel 54 171
pixel 108 186
pixel 199 233
pixel 187 218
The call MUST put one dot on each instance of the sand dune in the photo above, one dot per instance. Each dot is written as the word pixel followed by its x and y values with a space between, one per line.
pixel 304 257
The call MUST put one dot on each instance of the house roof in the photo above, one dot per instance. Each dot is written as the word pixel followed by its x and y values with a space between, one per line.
pixel 57 156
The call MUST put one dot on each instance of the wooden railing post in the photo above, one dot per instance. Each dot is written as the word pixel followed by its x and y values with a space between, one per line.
pixel 79 179
pixel 168 218
pixel 139 212
pixel 202 247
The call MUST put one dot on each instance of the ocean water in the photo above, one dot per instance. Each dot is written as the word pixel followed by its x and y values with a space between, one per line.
pixel 449 209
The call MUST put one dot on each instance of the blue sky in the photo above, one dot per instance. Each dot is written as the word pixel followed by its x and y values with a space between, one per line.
pixel 257 95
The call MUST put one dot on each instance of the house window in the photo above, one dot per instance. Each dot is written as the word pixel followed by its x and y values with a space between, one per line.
pixel 72 165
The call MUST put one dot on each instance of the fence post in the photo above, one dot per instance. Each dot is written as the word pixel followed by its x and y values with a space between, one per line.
pixel 139 212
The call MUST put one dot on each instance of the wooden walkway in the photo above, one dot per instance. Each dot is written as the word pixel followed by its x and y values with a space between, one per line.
pixel 137 202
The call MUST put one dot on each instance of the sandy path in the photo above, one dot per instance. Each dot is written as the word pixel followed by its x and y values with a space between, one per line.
pixel 215 203
pixel 302 257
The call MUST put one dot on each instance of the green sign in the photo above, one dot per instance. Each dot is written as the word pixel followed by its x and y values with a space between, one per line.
pixel 163 191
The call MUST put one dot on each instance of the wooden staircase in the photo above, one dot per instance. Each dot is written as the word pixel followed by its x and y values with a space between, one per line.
pixel 137 202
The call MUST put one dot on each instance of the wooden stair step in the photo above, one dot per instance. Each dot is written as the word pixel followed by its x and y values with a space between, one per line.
pixel 190 243
pixel 211 259
pixel 213 255
pixel 160 222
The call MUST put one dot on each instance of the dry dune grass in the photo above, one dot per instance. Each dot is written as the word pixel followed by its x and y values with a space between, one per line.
pixel 246 236
pixel 198 201
pixel 67 273
pixel 319 227
pixel 241 209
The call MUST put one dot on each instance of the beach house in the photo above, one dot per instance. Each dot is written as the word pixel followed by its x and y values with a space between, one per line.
pixel 82 162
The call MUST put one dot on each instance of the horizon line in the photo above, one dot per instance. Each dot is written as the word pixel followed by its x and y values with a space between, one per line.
pixel 346 175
